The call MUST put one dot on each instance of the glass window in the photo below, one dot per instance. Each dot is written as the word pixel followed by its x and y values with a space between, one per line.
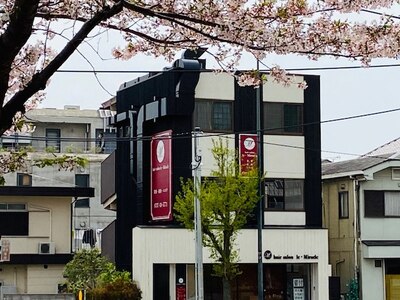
pixel 222 117
pixel 343 205
pixel 392 204
pixel 82 180
pixel 24 179
pixel 274 192
pixel 381 204
pixel 211 115
pixel 284 194
pixel 12 206
pixel 283 118
pixel 53 139
pixel 373 204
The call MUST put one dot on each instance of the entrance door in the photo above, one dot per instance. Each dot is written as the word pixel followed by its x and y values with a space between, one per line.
pixel 392 287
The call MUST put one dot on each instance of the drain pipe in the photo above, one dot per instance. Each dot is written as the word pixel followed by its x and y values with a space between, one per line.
pixel 356 200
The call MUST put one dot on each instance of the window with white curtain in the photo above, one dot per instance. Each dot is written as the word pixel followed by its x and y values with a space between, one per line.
pixel 378 204
pixel 392 204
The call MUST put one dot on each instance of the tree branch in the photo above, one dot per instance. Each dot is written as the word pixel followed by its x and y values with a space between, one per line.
pixel 13 39
pixel 38 81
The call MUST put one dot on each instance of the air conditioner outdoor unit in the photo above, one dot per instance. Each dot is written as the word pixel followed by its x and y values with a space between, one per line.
pixel 47 248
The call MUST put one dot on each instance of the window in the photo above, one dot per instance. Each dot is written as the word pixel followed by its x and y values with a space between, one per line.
pixel 283 118
pixel 82 180
pixel 284 194
pixel 12 206
pixel 396 174
pixel 381 204
pixel 53 139
pixel 14 219
pixel 213 115
pixel 24 179
pixel 392 204
pixel 343 205
pixel 105 141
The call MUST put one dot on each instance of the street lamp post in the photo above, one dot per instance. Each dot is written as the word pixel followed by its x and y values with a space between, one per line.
pixel 260 208
pixel 196 167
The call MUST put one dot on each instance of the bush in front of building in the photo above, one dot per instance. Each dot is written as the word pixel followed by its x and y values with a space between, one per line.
pixel 93 274
pixel 353 290
pixel 119 289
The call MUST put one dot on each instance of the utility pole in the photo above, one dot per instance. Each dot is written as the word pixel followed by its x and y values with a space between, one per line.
pixel 260 208
pixel 196 167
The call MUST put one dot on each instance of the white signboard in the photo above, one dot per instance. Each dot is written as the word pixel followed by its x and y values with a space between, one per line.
pixel 298 293
pixel 298 282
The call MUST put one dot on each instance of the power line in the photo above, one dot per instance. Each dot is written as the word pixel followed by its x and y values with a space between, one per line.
pixel 186 134
pixel 239 70
pixel 219 134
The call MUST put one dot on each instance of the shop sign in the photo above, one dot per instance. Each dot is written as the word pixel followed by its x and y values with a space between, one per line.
pixel 298 293
pixel 269 255
pixel 161 165
pixel 247 152
pixel 5 250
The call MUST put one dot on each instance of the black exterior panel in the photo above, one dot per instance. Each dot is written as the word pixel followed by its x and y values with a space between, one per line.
pixel 312 144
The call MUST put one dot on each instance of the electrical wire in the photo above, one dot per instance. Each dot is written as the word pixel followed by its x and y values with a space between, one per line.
pixel 209 134
pixel 333 68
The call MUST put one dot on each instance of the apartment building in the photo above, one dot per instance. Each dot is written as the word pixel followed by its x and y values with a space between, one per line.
pixel 166 107
pixel 71 131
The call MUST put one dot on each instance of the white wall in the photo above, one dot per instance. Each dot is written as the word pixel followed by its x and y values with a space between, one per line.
pixel 372 287
pixel 170 246
pixel 284 156
pixel 215 86
pixel 277 92
pixel 379 228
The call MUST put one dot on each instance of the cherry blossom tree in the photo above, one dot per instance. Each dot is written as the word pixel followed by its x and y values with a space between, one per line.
pixel 228 28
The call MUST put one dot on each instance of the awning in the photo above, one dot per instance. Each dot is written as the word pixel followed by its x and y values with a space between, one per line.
pixel 381 249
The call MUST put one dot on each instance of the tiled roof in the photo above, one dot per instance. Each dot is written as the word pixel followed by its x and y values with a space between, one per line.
pixel 353 165
pixel 390 147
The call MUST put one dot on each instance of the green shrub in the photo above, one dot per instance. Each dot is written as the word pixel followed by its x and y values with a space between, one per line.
pixel 119 289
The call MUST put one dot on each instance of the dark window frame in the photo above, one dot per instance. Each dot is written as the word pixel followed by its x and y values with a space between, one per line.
pixel 281 184
pixel 53 141
pixel 84 202
pixel 212 125
pixel 343 213
pixel 283 128
pixel 374 204
pixel 21 177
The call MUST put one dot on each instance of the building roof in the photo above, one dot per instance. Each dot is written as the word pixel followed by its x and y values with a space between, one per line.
pixel 49 191
pixel 386 152
pixel 354 165
pixel 390 147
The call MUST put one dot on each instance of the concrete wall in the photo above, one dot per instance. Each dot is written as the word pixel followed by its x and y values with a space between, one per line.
pixel 96 216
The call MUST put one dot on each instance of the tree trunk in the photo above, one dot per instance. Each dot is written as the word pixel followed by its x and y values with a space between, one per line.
pixel 226 289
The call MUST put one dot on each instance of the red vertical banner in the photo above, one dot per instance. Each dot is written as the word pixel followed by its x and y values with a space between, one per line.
pixel 161 176
pixel 247 152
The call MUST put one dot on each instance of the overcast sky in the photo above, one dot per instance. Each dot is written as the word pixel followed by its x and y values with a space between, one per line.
pixel 344 93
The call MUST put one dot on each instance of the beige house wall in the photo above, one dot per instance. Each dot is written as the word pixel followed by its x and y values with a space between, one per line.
pixel 341 232
pixel 14 276
pixel 49 221
pixel 44 279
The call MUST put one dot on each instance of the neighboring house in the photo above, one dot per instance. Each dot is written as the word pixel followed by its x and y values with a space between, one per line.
pixel 171 103
pixel 36 236
pixel 361 209
pixel 69 131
